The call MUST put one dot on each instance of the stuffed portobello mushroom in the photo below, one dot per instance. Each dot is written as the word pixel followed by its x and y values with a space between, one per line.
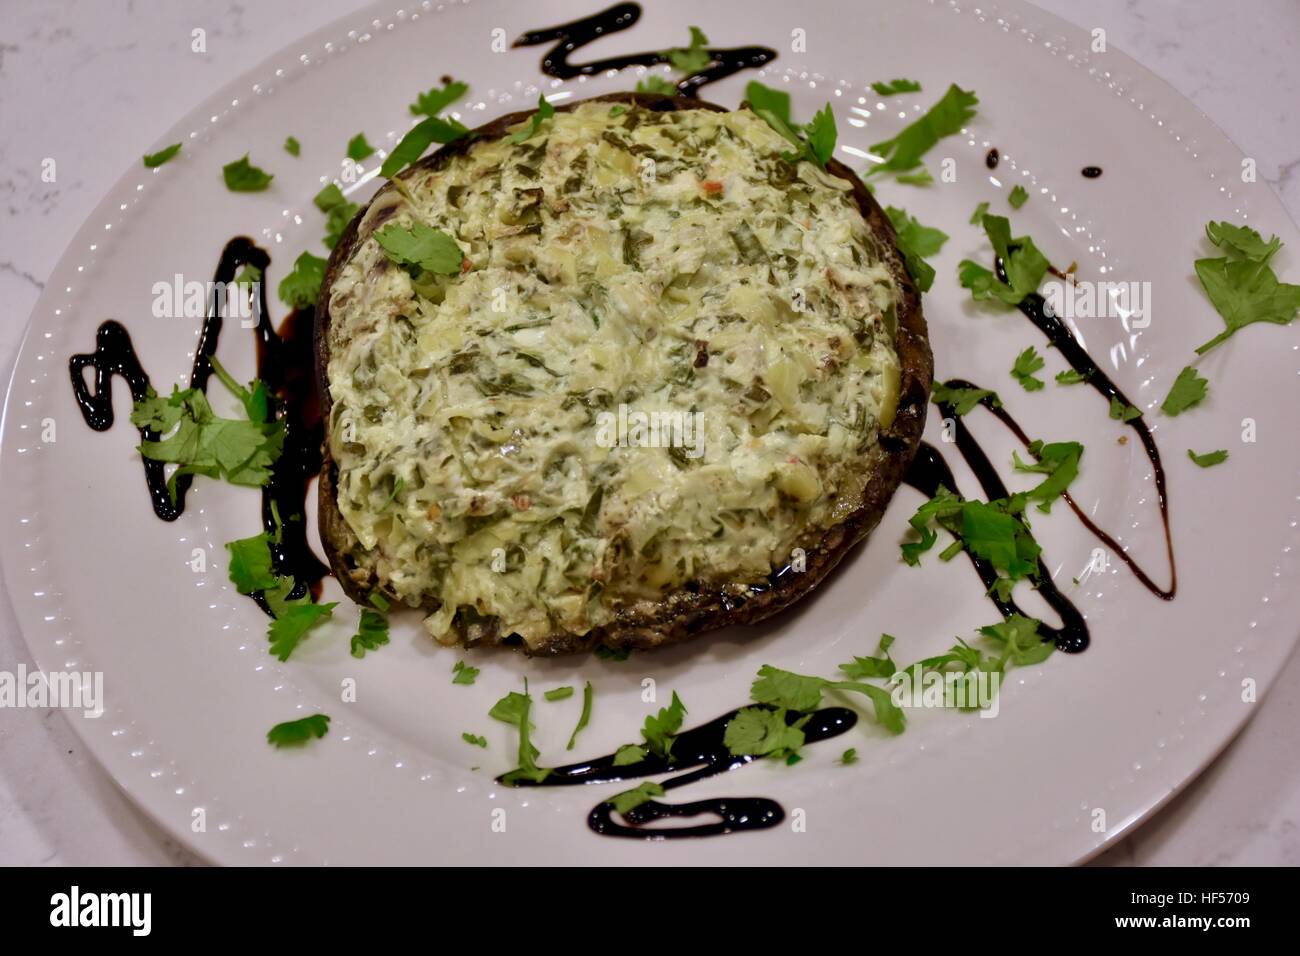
pixel 616 376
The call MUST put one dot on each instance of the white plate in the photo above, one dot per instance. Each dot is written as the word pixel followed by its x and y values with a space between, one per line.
pixel 99 584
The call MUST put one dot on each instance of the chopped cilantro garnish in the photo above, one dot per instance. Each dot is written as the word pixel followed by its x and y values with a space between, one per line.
pixel 1242 242
pixel 292 146
pixel 1059 461
pixel 813 141
pixel 629 754
pixel 946 118
pixel 421 136
pixel 1018 196
pixel 1188 391
pixel 299 288
pixel 544 112
pixel 1245 291
pixel 872 667
pixel 559 693
pixel 474 739
pixel 921 178
pixel 513 709
pixel 438 99
pixel 894 87
pixel 201 443
pixel 849 756
pixel 583 720
pixel 421 246
pixel 790 691
pixel 1027 363
pixel 338 212
pixel 1122 412
pixel 763 732
pixel 1209 459
pixel 694 58
pixel 962 399
pixel 463 673
pixel 659 728
pixel 944 508
pixel 917 243
pixel 1019 640
pixel 358 148
pixel 153 160
pixel 294 733
pixel 1071 377
pixel 243 177
pixel 294 622
pixel 372 630
pixel 1024 265
pixel 654 83
pixel 631 799
pixel 251 567
pixel 977 216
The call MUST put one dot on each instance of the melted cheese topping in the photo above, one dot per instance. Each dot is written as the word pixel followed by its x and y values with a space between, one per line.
pixel 618 260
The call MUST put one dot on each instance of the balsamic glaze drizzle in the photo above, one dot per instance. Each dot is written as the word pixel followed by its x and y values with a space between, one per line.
pixel 283 362
pixel 992 158
pixel 572 36
pixel 703 748
pixel 1091 172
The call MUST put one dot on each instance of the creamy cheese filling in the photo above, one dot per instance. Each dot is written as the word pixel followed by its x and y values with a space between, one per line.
pixel 665 362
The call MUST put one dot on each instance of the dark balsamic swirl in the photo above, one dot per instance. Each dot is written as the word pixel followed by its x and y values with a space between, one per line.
pixel 568 37
pixel 283 362
pixel 704 749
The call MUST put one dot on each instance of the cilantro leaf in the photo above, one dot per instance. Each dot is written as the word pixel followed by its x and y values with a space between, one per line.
pixel 294 733
pixel 1027 363
pixel 338 212
pixel 1018 196
pixel 243 177
pixel 991 531
pixel 513 709
pixel 464 674
pixel 978 215
pixel 787 690
pixel 872 667
pixel 290 627
pixel 692 59
pixel 631 799
pixel 153 160
pixel 1209 459
pixel 250 567
pixel 1242 242
pixel 920 178
pixel 292 146
pixel 944 508
pixel 372 633
pixel 1122 412
pixel 659 729
pixel 1023 263
pixel 1071 377
pixel 917 243
pixel 849 756
pixel 1020 641
pixel 629 754
pixel 420 137
pixel 438 99
pixel 947 117
pixel 300 288
pixel 1244 292
pixel 1188 391
pixel 1059 461
pixel 813 141
pixel 544 112
pixel 654 83
pixel 762 732
pixel 559 693
pixel 894 87
pixel 474 739
pixel 202 443
pixel 585 718
pixel 422 246
pixel 358 148
pixel 962 399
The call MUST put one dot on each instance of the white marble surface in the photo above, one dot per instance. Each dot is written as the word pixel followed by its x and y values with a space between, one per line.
pixel 91 83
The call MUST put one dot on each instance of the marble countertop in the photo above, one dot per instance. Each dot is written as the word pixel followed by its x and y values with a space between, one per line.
pixel 88 83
